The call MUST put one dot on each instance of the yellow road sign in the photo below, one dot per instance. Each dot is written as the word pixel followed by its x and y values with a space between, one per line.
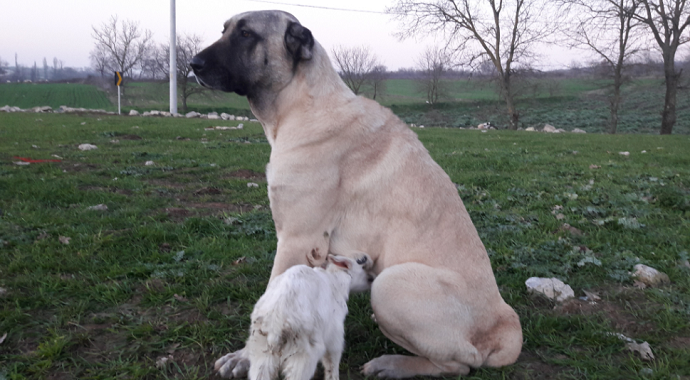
pixel 118 78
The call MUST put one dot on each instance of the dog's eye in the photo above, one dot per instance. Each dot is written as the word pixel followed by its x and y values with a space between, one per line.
pixel 246 34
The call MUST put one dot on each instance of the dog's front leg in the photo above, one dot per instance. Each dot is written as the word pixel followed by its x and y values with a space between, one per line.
pixel 305 250
pixel 234 365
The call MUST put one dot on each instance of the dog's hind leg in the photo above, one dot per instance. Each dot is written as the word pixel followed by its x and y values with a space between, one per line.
pixel 438 316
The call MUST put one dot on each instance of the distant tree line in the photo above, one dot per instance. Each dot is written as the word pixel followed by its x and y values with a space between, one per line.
pixel 501 36
pixel 46 73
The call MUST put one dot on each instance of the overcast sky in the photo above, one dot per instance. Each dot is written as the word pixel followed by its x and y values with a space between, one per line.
pixel 34 29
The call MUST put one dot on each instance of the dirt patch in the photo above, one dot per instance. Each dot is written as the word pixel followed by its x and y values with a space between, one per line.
pixel 165 183
pixel 189 209
pixel 129 137
pixel 75 168
pixel 208 191
pixel 613 307
pixel 533 367
pixel 679 343
pixel 108 189
pixel 246 174
pixel 177 213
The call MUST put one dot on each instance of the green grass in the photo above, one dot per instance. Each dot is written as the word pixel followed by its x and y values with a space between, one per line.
pixel 28 95
pixel 564 103
pixel 146 96
pixel 159 273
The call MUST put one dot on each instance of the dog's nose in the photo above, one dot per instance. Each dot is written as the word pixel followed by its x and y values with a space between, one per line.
pixel 197 63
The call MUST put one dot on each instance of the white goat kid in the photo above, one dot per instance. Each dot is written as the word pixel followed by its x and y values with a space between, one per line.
pixel 300 319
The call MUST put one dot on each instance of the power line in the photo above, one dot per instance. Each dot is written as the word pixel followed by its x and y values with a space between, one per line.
pixel 316 6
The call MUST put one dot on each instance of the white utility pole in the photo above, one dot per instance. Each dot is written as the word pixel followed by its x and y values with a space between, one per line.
pixel 173 60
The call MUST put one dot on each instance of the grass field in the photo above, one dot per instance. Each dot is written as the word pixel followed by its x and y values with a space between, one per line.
pixel 174 265
pixel 28 95
pixel 564 103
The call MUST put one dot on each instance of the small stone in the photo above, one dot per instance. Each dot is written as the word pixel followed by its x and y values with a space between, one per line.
pixel 64 239
pixel 643 349
pixel 149 163
pixel 624 153
pixel 650 276
pixel 550 129
pixel 85 147
pixel 252 184
pixel 133 113
pixel 163 361
pixel 99 207
pixel 552 288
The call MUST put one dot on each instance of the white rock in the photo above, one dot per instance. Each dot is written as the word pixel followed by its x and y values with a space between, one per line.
pixel 240 126
pixel 133 113
pixel 252 184
pixel 87 147
pixel 100 207
pixel 155 113
pixel 552 288
pixel 192 114
pixel 550 129
pixel 163 361
pixel 650 276
pixel 643 349
pixel 22 163
pixel 484 126
pixel 529 129
pixel 213 117
pixel 146 113
pixel 624 153
pixel 578 130
pixel 254 120
pixel 224 116
pixel 149 163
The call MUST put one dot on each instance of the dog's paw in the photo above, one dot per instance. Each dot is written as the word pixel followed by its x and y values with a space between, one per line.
pixel 234 365
pixel 382 367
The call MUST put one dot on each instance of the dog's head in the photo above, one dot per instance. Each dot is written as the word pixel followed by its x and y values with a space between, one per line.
pixel 359 269
pixel 257 51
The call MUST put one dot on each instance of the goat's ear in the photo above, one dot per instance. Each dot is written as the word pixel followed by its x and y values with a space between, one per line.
pixel 340 261
pixel 299 42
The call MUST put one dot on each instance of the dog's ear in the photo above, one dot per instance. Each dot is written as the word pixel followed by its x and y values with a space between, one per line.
pixel 299 42
pixel 340 261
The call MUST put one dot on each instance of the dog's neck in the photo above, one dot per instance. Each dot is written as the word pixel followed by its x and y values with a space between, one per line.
pixel 315 86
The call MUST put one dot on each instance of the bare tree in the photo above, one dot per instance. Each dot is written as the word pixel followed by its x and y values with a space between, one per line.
pixel 3 67
pixel 187 47
pixel 377 81
pixel 100 60
pixel 667 20
pixel 355 65
pixel 45 69
pixel 124 42
pixel 18 75
pixel 609 29
pixel 432 64
pixel 501 32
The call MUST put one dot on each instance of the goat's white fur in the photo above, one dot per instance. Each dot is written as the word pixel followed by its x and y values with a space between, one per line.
pixel 300 319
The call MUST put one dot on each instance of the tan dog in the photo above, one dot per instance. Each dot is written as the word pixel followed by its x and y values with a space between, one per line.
pixel 346 175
